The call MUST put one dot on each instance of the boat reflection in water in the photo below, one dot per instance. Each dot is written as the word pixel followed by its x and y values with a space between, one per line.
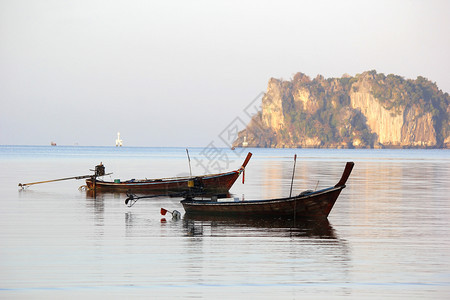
pixel 91 194
pixel 205 225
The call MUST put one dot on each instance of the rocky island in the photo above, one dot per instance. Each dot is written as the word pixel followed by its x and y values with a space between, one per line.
pixel 369 110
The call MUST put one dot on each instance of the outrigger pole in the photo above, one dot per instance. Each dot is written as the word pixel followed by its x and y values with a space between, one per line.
pixel 99 171
pixel 23 185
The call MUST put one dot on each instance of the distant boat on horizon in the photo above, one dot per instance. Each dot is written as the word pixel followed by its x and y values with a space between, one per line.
pixel 53 144
pixel 119 142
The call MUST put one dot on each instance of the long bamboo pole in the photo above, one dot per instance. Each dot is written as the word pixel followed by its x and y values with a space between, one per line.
pixel 293 173
pixel 189 159
pixel 60 179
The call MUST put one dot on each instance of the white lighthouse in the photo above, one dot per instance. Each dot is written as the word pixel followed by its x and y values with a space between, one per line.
pixel 118 140
pixel 244 143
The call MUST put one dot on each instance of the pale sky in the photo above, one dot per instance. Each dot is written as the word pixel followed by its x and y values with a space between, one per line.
pixel 177 73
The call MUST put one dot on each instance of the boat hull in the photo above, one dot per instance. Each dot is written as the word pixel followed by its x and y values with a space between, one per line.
pixel 211 184
pixel 311 204
pixel 315 205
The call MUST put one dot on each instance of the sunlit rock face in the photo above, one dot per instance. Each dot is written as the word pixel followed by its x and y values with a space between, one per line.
pixel 369 110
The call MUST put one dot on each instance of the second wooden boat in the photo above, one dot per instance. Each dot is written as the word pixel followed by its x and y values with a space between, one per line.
pixel 309 204
pixel 207 184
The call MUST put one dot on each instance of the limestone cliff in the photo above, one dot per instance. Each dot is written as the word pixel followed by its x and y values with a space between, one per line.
pixel 272 113
pixel 369 110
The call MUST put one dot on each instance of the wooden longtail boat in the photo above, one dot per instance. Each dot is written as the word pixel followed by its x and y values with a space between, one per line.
pixel 208 184
pixel 309 204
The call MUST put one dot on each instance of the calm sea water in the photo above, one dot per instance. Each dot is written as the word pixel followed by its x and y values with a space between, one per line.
pixel 388 235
